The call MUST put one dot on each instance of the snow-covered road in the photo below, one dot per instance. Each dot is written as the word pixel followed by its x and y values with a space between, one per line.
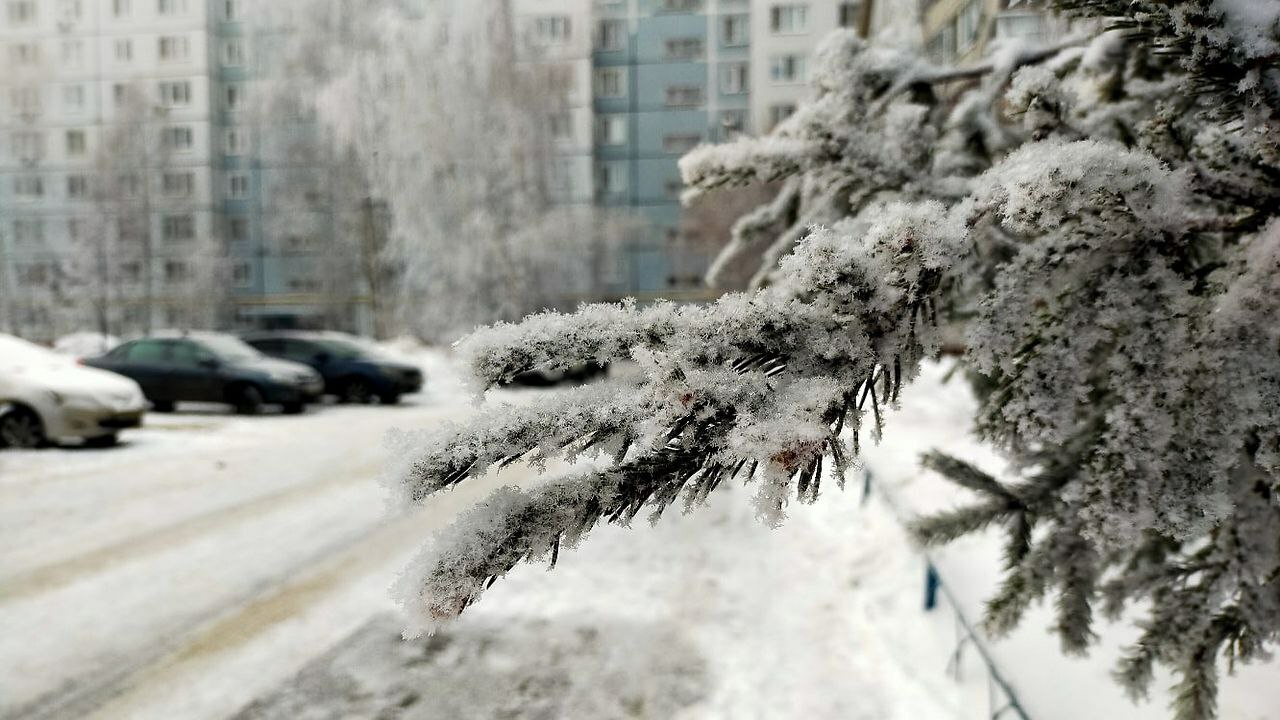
pixel 211 558
pixel 127 572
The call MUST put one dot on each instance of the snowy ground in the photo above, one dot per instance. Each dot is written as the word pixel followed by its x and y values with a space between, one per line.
pixel 213 561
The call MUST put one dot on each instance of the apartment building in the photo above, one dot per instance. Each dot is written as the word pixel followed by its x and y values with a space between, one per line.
pixel 136 184
pixel 960 32
pixel 784 35
pixel 83 77
pixel 668 75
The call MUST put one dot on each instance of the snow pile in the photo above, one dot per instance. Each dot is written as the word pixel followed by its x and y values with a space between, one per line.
pixel 85 344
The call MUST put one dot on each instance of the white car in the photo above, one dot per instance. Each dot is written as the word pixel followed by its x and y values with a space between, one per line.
pixel 47 397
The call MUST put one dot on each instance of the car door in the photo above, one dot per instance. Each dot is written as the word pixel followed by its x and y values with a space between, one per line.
pixel 194 372
pixel 143 361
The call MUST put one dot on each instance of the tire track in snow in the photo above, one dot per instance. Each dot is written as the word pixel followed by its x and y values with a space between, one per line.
pixel 120 692
pixel 52 576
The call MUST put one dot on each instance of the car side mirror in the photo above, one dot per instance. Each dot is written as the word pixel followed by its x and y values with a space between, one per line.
pixel 210 363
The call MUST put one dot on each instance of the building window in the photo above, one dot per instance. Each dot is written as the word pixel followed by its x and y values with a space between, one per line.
pixel 124 50
pixel 787 68
pixel 22 12
pixel 73 53
pixel 28 146
pixel 233 53
pixel 73 98
pixel 174 94
pixel 177 138
pixel 174 47
pixel 850 14
pixel 609 82
pixel 733 78
pixel 234 96
pixel 237 186
pixel 131 272
pixel 560 125
pixel 178 227
pixel 171 7
pixel 612 35
pixel 613 177
pixel 1022 25
pixel 680 142
pixel 613 129
pixel 33 275
pixel 77 143
pixel 684 96
pixel 238 229
pixel 733 121
pixel 72 9
pixel 552 29
pixel 789 18
pixel 180 184
pixel 177 271
pixel 968 24
pixel 121 8
pixel 780 112
pixel 684 48
pixel 235 141
pixel 28 231
pixel 129 185
pixel 734 30
pixel 231 9
pixel 941 48
pixel 681 5
pixel 25 100
pixel 75 229
pixel 27 53
pixel 77 187
pixel 241 274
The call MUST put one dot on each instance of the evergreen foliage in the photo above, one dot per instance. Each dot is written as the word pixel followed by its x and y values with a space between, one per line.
pixel 1098 215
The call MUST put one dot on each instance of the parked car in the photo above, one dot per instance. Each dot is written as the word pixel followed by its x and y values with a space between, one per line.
pixel 46 397
pixel 211 367
pixel 353 370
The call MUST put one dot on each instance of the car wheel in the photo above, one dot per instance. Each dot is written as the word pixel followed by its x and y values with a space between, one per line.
pixel 21 428
pixel 356 391
pixel 389 398
pixel 102 441
pixel 162 406
pixel 248 400
pixel 293 408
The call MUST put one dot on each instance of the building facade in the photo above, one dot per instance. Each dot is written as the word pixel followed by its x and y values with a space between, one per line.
pixel 137 188
pixel 959 32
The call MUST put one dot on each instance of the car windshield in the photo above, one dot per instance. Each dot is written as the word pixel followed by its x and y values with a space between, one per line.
pixel 343 349
pixel 229 348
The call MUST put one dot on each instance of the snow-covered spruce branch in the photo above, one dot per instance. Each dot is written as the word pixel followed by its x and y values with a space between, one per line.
pixel 1124 350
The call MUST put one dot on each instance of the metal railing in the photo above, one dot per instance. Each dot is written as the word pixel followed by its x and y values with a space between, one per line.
pixel 1002 701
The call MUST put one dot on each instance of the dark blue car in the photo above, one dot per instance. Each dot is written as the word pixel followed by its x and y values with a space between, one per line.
pixel 352 371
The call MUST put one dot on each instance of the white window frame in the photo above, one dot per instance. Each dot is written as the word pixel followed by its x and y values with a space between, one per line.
pixel 233 52
pixel 613 129
pixel 173 48
pixel 788 69
pixel 77 143
pixel 611 41
pixel 735 78
pixel 175 93
pixel 789 19
pixel 601 84
pixel 237 186
pixel 742 25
